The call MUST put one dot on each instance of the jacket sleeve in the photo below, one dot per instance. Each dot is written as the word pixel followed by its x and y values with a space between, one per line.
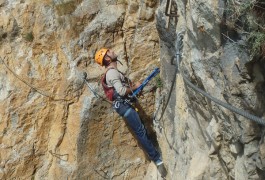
pixel 113 78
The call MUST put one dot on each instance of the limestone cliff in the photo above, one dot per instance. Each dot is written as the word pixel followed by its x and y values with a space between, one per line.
pixel 207 140
pixel 52 126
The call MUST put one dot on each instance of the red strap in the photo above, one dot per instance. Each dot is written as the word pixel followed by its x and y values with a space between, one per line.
pixel 109 91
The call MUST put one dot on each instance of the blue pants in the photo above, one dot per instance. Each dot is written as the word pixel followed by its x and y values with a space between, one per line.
pixel 133 120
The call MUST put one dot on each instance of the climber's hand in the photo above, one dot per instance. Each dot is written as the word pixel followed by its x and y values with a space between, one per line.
pixel 136 85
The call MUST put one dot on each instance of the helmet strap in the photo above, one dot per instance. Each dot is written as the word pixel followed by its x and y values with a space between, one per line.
pixel 113 60
pixel 120 62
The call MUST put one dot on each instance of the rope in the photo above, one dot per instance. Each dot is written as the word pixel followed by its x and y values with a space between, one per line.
pixel 51 96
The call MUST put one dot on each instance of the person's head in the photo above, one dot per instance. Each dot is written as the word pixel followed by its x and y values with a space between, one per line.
pixel 105 56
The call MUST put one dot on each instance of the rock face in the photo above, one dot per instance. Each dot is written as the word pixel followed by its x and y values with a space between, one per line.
pixel 52 126
pixel 207 140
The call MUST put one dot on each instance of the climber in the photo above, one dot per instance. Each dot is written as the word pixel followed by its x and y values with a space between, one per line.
pixel 117 88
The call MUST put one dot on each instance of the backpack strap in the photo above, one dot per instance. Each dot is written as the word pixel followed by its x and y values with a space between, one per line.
pixel 106 73
pixel 109 91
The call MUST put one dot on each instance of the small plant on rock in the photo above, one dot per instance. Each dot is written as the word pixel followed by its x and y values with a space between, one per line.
pixel 159 82
pixel 257 43
pixel 29 37
pixel 248 17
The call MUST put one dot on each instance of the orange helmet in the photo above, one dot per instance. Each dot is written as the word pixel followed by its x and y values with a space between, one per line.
pixel 100 55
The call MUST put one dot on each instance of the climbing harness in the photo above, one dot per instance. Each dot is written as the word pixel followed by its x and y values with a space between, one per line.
pixel 131 98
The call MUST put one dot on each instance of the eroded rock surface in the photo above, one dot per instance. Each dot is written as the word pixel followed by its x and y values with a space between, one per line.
pixel 52 126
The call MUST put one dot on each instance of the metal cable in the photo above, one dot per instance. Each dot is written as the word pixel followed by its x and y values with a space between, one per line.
pixel 217 101
pixel 179 46
pixel 169 95
pixel 221 103
pixel 51 96
pixel 96 94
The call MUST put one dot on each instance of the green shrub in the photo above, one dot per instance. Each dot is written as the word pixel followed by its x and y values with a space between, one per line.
pixel 29 37
pixel 248 17
pixel 65 8
pixel 257 42
pixel 159 82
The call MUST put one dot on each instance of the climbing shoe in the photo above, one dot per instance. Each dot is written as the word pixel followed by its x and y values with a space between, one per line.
pixel 162 170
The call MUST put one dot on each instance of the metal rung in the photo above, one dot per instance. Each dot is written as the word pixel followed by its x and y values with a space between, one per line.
pixel 169 12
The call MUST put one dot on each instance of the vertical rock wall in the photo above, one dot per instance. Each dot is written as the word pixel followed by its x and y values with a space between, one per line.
pixel 51 125
pixel 208 141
